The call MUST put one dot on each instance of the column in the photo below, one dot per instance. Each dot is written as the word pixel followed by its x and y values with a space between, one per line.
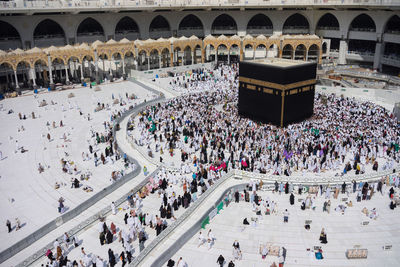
pixel 96 65
pixel 171 59
pixel 82 78
pixel 33 77
pixel 254 53
pixel 123 66
pixel 104 67
pixel 159 61
pixel 379 49
pixel 50 69
pixel 148 62
pixel 216 56
pixel 192 57
pixel 342 51
pixel 74 72
pixel 66 74
pixel 90 68
pixel 306 56
pixel 16 80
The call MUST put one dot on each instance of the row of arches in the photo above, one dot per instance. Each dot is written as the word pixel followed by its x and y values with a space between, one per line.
pixel 90 29
pixel 37 67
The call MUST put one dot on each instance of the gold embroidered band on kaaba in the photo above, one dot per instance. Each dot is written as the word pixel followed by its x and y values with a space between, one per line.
pixel 276 85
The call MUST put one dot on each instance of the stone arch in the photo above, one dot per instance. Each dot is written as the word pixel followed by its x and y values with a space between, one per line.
pixel 159 27
pixel 296 24
pixel 187 55
pixel 58 60
pixel 26 62
pixel 154 58
pixel 392 25
pixel 90 30
pixel 248 51
pixel 12 66
pixel 49 29
pixel 287 51
pixel 197 53
pixel 7 33
pixel 165 57
pixel 208 50
pixel 363 22
pixel 191 25
pixel 259 24
pixel 313 53
pixel 7 80
pixel 40 60
pixel 127 28
pixel 273 50
pixel 73 56
pixel 328 22
pixel 261 51
pixel 224 24
pixel 300 52
pixel 221 47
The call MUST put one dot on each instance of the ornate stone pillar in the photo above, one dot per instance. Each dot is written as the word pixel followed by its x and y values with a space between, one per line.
pixel 16 79
pixel 66 74
pixel 111 61
pixel 96 65
pixel 50 69
pixel 82 78
pixel 33 76
pixel 90 68
pixel 192 57
pixel 123 65
pixel 159 61
pixel 148 62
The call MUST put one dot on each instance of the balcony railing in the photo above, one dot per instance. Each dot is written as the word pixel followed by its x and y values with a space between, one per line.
pixel 74 4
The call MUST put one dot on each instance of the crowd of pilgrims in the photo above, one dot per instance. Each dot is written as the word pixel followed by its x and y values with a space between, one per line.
pixel 175 191
pixel 344 135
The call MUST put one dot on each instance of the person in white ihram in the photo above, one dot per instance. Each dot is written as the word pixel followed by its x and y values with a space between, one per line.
pixel 202 239
pixel 113 209
pixel 210 239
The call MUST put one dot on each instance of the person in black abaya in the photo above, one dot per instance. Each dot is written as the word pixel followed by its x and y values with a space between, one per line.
pixel 169 211
pixel 391 192
pixel 158 228
pixel 237 196
pixel 323 237
pixel 111 257
pixel 287 188
pixel 175 205
pixel 165 200
pixel 162 212
pixel 291 199
pixel 109 237
pixel 392 205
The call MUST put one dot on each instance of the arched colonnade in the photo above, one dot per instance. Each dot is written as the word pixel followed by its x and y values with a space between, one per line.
pixel 103 59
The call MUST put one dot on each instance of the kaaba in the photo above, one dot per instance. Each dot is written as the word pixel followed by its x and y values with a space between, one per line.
pixel 277 91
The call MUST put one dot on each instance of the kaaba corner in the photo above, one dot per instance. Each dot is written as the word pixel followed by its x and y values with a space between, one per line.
pixel 277 91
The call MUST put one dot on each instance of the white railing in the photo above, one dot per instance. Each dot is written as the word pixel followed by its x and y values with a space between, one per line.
pixel 73 4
